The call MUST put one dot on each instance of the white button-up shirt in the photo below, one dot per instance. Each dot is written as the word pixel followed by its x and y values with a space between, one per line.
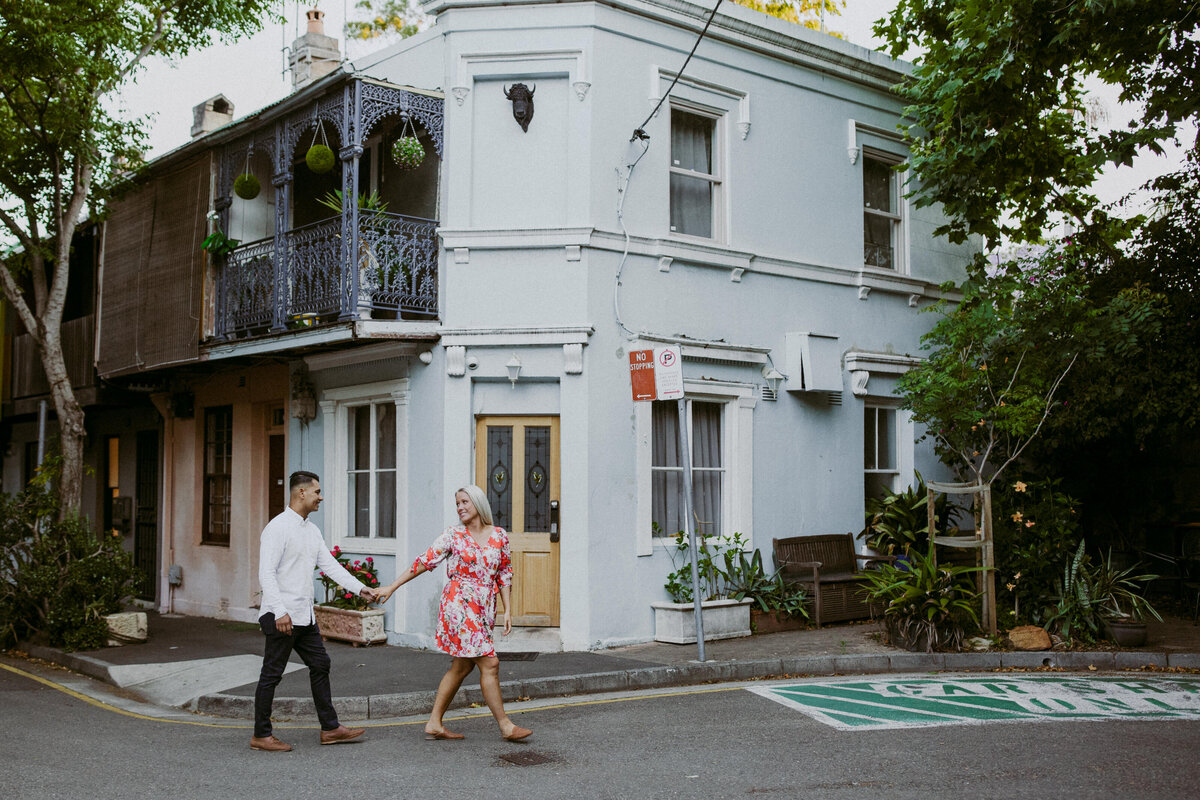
pixel 291 548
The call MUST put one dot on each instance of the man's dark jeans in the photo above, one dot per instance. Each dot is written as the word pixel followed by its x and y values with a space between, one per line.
pixel 306 641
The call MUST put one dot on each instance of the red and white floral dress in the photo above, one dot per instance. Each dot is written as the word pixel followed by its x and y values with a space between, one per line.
pixel 475 576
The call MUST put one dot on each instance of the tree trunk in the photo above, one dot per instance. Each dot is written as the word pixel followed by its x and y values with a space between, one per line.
pixel 71 429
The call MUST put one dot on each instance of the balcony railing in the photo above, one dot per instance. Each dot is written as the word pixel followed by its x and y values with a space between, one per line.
pixel 304 278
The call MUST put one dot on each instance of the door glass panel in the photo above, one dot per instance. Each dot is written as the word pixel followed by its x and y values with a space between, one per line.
pixel 537 478
pixel 499 473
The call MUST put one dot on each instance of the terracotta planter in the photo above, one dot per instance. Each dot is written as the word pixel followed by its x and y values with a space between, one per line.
pixel 774 622
pixel 1127 633
pixel 356 627
pixel 723 619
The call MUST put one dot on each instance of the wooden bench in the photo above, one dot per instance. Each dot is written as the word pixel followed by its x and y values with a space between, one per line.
pixel 828 568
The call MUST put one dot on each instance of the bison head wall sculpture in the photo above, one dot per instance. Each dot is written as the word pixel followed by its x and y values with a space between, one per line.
pixel 522 102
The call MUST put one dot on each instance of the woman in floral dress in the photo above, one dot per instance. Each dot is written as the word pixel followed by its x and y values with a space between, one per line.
pixel 478 566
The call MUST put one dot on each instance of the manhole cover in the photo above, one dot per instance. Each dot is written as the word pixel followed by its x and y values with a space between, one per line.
pixel 516 656
pixel 527 758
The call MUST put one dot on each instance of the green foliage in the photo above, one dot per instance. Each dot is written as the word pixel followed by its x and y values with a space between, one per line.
pixel 57 578
pixel 925 603
pixel 246 186
pixel 1090 594
pixel 364 570
pixel 802 12
pixel 1000 355
pixel 745 578
pixel 319 158
pixel 899 522
pixel 401 17
pixel 1036 528
pixel 1000 130
pixel 372 202
pixel 407 152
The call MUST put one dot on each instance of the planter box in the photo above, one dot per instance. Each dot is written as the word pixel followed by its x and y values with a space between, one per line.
pixel 1131 633
pixel 356 627
pixel 723 619
pixel 772 622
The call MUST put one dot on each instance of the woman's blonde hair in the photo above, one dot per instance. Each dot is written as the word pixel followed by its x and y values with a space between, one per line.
pixel 478 499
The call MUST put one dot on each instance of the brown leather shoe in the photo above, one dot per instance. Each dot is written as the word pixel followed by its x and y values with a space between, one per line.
pixel 341 734
pixel 269 743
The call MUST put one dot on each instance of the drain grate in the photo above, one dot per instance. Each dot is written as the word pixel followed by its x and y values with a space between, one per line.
pixel 517 655
pixel 527 758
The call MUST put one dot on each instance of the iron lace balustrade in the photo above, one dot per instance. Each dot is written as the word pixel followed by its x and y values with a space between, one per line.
pixel 397 275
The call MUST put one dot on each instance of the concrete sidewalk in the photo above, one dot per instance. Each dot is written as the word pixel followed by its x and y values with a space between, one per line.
pixel 212 666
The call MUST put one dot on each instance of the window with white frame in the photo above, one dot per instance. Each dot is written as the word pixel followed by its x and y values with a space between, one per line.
pixel 708 470
pixel 881 211
pixel 695 173
pixel 881 467
pixel 365 434
pixel 371 469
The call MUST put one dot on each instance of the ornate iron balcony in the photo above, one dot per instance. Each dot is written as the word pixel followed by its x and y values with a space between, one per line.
pixel 306 276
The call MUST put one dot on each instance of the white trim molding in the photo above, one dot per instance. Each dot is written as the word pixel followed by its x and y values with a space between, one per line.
pixel 862 365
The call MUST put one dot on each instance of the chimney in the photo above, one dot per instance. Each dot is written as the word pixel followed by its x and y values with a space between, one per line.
pixel 314 54
pixel 213 113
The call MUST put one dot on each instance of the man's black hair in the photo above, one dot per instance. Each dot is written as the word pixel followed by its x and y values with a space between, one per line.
pixel 302 478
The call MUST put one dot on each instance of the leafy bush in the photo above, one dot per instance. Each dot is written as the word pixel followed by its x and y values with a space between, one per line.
pixel 898 522
pixel 1091 594
pixel 58 579
pixel 745 578
pixel 923 603
pixel 1036 530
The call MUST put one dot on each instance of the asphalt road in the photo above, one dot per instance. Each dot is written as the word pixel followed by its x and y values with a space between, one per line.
pixel 707 742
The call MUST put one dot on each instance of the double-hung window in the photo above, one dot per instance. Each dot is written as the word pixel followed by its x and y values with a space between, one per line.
pixel 708 467
pixel 881 212
pixel 880 444
pixel 366 428
pixel 695 174
pixel 371 469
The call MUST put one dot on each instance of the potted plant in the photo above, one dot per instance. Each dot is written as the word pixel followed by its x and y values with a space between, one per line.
pixel 1123 604
pixel 776 605
pixel 246 186
pixel 724 616
pixel 344 615
pixel 925 606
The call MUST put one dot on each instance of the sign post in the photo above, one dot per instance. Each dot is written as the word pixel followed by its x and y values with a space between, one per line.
pixel 658 375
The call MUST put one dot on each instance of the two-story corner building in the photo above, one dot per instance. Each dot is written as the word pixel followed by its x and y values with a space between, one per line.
pixel 478 328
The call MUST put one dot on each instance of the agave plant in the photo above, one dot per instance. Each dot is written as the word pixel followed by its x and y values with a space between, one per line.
pixel 926 604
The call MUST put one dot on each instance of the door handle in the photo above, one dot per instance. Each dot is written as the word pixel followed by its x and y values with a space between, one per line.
pixel 553 521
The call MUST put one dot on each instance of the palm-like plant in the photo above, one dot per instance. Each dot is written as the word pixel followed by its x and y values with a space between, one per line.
pixel 925 603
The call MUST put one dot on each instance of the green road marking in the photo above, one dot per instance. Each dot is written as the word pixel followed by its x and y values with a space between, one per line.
pixel 872 704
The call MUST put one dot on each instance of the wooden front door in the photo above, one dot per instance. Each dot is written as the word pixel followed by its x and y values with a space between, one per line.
pixel 516 462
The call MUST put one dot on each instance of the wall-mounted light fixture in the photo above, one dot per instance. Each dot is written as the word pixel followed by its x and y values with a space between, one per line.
pixel 773 377
pixel 514 369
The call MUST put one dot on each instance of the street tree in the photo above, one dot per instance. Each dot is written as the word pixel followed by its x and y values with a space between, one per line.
pixel 999 131
pixel 1000 356
pixel 405 18
pixel 62 144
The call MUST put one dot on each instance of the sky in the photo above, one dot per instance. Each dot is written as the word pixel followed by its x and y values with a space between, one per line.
pixel 250 73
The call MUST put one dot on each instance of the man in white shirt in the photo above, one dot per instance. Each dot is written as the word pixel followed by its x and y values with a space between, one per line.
pixel 291 548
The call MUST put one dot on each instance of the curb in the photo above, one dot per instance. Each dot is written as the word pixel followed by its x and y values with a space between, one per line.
pixel 661 677
pixel 358 707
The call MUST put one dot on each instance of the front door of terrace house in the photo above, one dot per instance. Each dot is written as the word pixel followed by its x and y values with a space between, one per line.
pixel 516 462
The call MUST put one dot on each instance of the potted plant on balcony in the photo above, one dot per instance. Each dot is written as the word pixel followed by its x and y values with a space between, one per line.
pixel 407 151
pixel 345 616
pixel 724 616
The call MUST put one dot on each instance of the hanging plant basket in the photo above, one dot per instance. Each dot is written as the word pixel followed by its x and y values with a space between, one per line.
pixel 319 158
pixel 246 186
pixel 407 152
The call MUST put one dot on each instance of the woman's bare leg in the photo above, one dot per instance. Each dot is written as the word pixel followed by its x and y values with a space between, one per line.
pixel 460 668
pixel 489 684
